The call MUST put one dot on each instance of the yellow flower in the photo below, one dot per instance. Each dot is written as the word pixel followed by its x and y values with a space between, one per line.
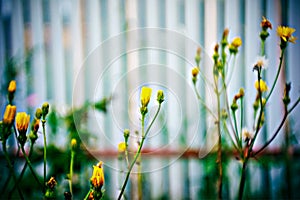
pixel 285 33
pixel 262 85
pixel 22 122
pixel 121 147
pixel 9 114
pixel 97 179
pixel 73 143
pixel 145 96
pixel 12 86
pixel 236 42
pixel 265 23
pixel 195 71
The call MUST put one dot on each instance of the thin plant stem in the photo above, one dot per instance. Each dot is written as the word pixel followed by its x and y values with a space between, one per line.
pixel 231 139
pixel 220 181
pixel 71 171
pixel 138 152
pixel 11 167
pixel 262 47
pixel 243 180
pixel 88 194
pixel 278 128
pixel 242 119
pixel 277 75
pixel 203 103
pixel 24 168
pixel 236 129
pixel 30 167
pixel 45 150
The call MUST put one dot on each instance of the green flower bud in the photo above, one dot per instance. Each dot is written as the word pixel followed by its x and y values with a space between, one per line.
pixel 160 96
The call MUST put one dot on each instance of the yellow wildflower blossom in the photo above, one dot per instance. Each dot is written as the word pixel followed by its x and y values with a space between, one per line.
pixel 97 179
pixel 236 42
pixel 22 122
pixel 262 85
pixel 285 33
pixel 145 96
pixel 121 147
pixel 9 114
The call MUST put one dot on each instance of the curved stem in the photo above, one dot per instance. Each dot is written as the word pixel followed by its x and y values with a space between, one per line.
pixel 24 168
pixel 45 151
pixel 236 129
pixel 242 120
pixel 71 171
pixel 30 167
pixel 11 167
pixel 260 113
pixel 203 103
pixel 138 152
pixel 279 127
pixel 88 194
pixel 277 75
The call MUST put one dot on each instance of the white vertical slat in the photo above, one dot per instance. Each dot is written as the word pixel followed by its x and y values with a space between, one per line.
pixel 92 68
pixel 57 54
pixel 293 61
pixel 233 22
pixel 17 50
pixel 273 52
pixel 131 15
pixel 153 58
pixel 174 123
pixel 77 54
pixel 115 75
pixel 252 50
pixel 192 23
pixel 210 40
pixel 38 64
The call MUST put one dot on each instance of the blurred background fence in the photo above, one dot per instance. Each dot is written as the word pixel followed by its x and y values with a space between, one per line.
pixel 69 52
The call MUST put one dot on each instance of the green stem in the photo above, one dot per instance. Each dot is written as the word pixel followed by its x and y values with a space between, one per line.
pixel 236 129
pixel 220 181
pixel 243 180
pixel 45 151
pixel 139 150
pixel 30 167
pixel 24 168
pixel 71 171
pixel 88 194
pixel 277 75
pixel 262 47
pixel 11 167
pixel 203 103
pixel 242 120
pixel 260 113
pixel 279 127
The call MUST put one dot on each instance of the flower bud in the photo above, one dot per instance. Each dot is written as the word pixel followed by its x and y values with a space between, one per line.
pixel 38 113
pixel 145 96
pixel 160 96
pixel 45 109
pixel 73 143
pixel 12 86
pixel 9 114
pixel 121 147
